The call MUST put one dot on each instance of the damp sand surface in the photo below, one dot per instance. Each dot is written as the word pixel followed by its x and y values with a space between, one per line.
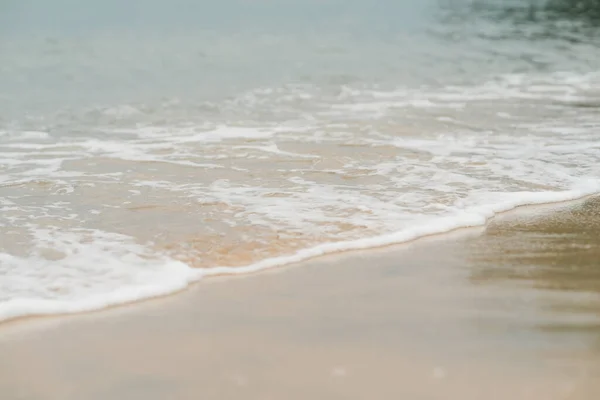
pixel 507 311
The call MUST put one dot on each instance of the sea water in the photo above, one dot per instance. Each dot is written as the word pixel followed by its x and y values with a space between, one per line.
pixel 145 145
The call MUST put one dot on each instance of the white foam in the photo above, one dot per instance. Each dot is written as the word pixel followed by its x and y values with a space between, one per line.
pixel 273 149
pixel 476 216
pixel 227 133
pixel 100 263
pixel 88 275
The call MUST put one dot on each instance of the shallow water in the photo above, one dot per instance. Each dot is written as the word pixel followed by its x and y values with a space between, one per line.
pixel 138 141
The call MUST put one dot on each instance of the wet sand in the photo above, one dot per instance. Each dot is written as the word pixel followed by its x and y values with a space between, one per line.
pixel 509 311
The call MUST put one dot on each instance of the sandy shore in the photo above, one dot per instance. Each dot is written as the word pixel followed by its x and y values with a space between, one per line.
pixel 509 311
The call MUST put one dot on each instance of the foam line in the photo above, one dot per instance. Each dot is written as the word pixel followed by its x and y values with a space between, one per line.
pixel 476 216
pixel 181 275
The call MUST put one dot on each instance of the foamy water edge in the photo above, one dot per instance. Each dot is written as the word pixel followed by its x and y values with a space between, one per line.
pixel 181 275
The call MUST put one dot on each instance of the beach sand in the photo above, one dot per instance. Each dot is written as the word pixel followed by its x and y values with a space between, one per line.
pixel 510 311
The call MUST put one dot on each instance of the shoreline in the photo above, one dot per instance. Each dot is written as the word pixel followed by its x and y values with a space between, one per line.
pixel 508 311
pixel 476 217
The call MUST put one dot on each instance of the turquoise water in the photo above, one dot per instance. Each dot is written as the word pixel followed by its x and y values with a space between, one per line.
pixel 73 53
